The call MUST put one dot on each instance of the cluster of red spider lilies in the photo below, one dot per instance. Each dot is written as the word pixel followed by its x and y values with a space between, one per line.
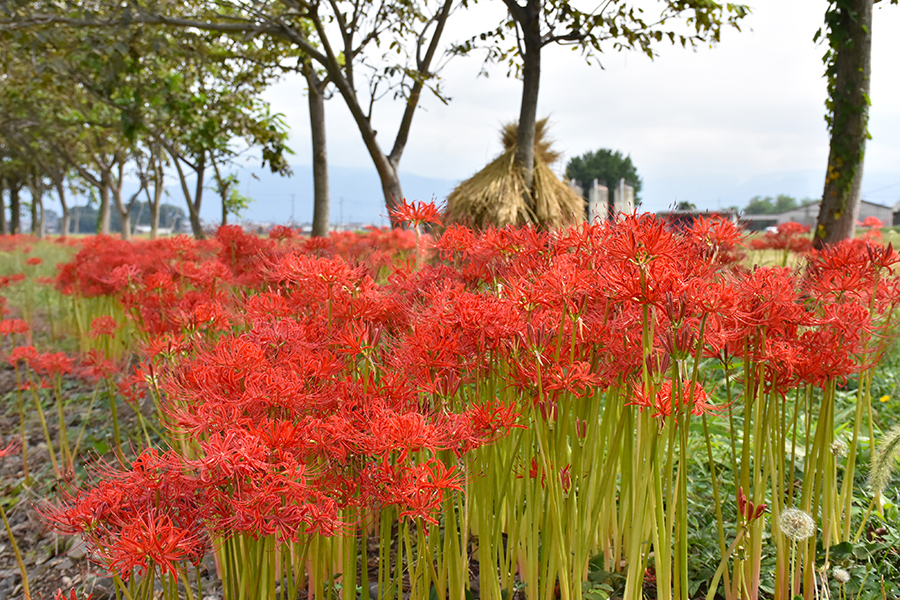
pixel 536 395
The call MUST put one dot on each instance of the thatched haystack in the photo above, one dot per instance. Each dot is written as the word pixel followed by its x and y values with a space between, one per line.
pixel 496 195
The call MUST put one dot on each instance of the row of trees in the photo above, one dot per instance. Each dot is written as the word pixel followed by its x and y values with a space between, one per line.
pixel 171 83
pixel 91 87
pixel 82 110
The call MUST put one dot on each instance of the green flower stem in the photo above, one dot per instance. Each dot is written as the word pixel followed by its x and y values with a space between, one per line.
pixel 115 417
pixel 24 440
pixel 40 410
pixel 15 547
pixel 791 476
pixel 351 551
pixel 120 587
pixel 863 402
pixel 775 507
pixel 86 419
pixel 723 564
pixel 717 502
pixel 68 461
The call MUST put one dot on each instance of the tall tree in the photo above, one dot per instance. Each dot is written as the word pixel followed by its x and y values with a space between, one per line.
pixel 615 24
pixel 607 167
pixel 848 68
pixel 321 196
pixel 369 49
pixel 133 91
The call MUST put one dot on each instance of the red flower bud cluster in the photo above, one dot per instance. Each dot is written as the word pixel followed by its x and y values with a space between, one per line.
pixel 747 509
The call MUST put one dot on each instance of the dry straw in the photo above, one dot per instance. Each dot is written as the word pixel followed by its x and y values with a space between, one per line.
pixel 496 195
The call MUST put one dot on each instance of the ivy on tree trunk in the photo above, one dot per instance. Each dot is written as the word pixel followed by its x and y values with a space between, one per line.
pixel 848 28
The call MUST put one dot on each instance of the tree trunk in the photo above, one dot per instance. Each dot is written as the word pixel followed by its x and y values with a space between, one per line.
pixel 124 212
pixel 850 114
pixel 15 217
pixel 66 218
pixel 37 209
pixel 529 21
pixel 224 190
pixel 196 226
pixel 193 205
pixel 103 217
pixel 2 208
pixel 155 200
pixel 321 199
pixel 393 191
pixel 386 165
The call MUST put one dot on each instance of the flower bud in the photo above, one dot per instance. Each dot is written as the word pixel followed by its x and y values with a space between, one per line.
pixel 565 478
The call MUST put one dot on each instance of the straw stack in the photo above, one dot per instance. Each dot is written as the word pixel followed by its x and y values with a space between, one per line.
pixel 496 195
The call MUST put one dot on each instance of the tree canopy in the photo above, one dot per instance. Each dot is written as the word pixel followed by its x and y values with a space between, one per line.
pixel 607 167
pixel 100 103
pixel 759 205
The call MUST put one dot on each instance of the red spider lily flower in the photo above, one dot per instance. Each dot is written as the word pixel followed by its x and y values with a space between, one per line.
pixel 17 277
pixel 787 236
pixel 34 261
pixel 60 595
pixel 456 241
pixel 640 239
pixel 847 270
pixel 11 326
pixel 105 325
pixel 204 316
pixel 871 222
pixel 417 490
pixel 26 354
pixel 134 387
pixel 282 233
pixel 575 378
pixel 52 363
pixel 152 540
pixel 124 276
pixel 416 213
pixel 11 449
pixel 716 233
pixel 95 367
pixel 664 399
pixel 149 515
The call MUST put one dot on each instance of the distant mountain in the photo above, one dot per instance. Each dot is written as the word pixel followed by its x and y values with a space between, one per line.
pixel 355 192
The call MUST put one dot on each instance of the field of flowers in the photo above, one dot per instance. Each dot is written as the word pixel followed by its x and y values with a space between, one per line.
pixel 614 411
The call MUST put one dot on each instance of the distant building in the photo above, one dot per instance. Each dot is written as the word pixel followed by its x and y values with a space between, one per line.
pixel 51 221
pixel 808 215
pixel 682 219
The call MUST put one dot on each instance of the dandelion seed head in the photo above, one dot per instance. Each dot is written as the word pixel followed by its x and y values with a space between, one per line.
pixel 839 448
pixel 841 575
pixel 796 524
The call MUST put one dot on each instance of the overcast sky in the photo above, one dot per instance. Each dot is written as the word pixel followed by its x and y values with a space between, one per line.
pixel 715 126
